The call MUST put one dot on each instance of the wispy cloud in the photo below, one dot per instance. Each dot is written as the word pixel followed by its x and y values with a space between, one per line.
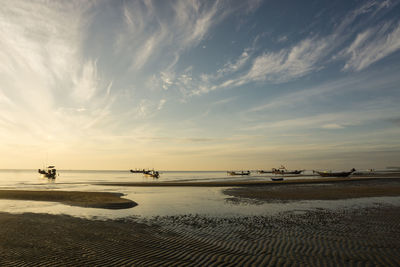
pixel 274 67
pixel 193 20
pixel 372 45
pixel 287 64
pixel 362 83
pixel 85 85
pixel 78 74
pixel 336 120
pixel 332 126
pixel 150 35
pixel 45 78
pixel 282 39
pixel 372 109
pixel 189 25
pixel 224 101
pixel 161 104
pixel 232 67
pixel 312 53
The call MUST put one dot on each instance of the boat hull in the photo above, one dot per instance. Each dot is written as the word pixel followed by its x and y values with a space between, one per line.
pixel 238 173
pixel 154 174
pixel 334 174
pixel 49 174
pixel 286 172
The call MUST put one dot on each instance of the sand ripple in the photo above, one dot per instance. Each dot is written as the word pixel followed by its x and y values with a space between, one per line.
pixel 367 237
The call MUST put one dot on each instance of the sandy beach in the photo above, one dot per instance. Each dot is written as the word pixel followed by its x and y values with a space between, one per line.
pixel 103 200
pixel 367 237
pixel 324 189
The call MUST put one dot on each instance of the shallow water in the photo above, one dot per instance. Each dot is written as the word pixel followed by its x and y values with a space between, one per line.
pixel 17 178
pixel 154 201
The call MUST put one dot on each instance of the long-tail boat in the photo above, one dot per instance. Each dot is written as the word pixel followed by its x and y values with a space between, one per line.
pixel 335 174
pixel 50 172
pixel 283 170
pixel 238 173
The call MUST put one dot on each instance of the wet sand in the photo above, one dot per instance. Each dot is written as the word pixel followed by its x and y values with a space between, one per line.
pixel 102 200
pixel 365 237
pixel 323 190
pixel 253 183
pixel 358 237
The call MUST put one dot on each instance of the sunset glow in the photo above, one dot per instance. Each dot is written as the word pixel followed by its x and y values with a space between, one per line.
pixel 199 85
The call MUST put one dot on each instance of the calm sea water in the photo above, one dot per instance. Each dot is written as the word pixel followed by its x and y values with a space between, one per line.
pixel 17 178
pixel 154 201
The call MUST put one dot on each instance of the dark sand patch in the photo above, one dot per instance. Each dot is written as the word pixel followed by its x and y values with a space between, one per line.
pixel 102 200
pixel 366 237
pixel 323 190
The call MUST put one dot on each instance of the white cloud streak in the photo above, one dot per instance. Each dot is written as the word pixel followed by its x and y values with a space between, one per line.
pixel 275 67
pixel 232 67
pixel 372 45
pixel 48 89
pixel 311 54
pixel 154 39
pixel 287 64
pixel 149 34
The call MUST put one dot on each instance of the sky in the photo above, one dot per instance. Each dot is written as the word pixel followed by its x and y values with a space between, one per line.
pixel 200 85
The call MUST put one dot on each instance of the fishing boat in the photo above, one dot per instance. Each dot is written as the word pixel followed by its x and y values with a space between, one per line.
pixel 151 173
pixel 277 179
pixel 50 172
pixel 137 171
pixel 335 174
pixel 283 170
pixel 238 173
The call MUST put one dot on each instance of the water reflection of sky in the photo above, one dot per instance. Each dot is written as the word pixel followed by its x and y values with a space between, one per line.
pixel 153 201
pixel 161 201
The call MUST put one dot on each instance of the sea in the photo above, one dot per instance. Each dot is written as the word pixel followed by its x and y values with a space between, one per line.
pixel 159 201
